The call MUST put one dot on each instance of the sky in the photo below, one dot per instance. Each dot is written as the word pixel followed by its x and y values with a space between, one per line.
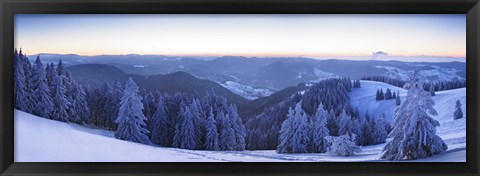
pixel 312 35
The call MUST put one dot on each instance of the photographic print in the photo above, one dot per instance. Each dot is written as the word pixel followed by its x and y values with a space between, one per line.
pixel 240 88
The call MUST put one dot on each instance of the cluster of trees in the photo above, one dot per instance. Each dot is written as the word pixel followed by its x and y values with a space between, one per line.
pixel 385 96
pixel 263 129
pixel 385 79
pixel 413 128
pixel 47 92
pixel 444 85
pixel 356 84
pixel 182 121
pixel 388 95
pixel 428 86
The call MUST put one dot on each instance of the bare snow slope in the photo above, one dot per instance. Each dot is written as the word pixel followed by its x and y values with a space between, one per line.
pixel 38 139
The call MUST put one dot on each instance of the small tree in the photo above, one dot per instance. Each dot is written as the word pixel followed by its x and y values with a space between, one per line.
pixel 432 90
pixel 458 112
pixel 342 146
pixel 397 99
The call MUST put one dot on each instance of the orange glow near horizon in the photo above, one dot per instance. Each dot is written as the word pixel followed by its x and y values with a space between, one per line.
pixel 243 35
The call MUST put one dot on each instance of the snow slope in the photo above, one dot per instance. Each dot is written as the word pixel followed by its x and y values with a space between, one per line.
pixel 38 139
pixel 246 91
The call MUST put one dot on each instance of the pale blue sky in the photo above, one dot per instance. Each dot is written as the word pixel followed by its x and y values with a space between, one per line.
pixel 248 35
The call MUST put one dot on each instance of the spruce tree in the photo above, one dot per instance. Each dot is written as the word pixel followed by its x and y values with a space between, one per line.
pixel 432 90
pixel 160 125
pixel 413 129
pixel 211 138
pixel 397 99
pixel 320 130
pixel 130 120
pixel 458 110
pixel 59 100
pixel 41 92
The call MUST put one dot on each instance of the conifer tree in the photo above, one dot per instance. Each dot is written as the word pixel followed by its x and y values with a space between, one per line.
pixel 211 138
pixel 458 110
pixel 130 120
pixel 41 92
pixel 413 129
pixel 320 130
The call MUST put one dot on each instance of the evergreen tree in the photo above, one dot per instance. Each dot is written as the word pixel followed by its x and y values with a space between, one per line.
pixel 458 110
pixel 432 90
pixel 332 124
pixel 19 87
pixel 346 125
pixel 397 100
pixel 43 100
pixel 60 69
pixel 227 135
pixel 381 95
pixel 59 100
pixel 379 135
pixel 299 127
pixel 286 133
pixel 320 130
pixel 211 139
pixel 160 125
pixel 187 130
pixel 388 94
pixel 238 128
pixel 413 129
pixel 394 95
pixel 342 145
pixel 130 120
pixel 80 104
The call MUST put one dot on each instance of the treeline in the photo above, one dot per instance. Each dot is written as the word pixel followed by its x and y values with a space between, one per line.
pixel 181 120
pixel 437 86
pixel 336 117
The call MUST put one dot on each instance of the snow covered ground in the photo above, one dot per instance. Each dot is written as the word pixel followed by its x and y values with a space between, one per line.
pixel 41 140
pixel 246 91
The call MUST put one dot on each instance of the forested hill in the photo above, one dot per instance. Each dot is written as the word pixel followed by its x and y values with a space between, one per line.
pixel 96 74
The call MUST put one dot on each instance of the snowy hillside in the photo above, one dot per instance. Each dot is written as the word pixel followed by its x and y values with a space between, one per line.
pixel 246 91
pixel 42 140
pixel 432 73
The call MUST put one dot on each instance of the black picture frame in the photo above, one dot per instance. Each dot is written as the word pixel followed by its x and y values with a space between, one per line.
pixel 8 8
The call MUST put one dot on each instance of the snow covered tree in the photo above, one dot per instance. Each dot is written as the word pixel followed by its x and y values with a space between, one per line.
pixel 60 69
pixel 346 124
pixel 187 130
pixel 238 128
pixel 458 110
pixel 49 73
pixel 59 100
pixel 286 133
pixel 160 125
pixel 365 133
pixel 342 145
pixel 397 100
pixel 227 135
pixel 130 120
pixel 379 135
pixel 19 87
pixel 299 130
pixel 320 130
pixel 388 94
pixel 413 129
pixel 80 106
pixel 394 95
pixel 381 96
pixel 432 90
pixel 332 124
pixel 41 92
pixel 211 138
